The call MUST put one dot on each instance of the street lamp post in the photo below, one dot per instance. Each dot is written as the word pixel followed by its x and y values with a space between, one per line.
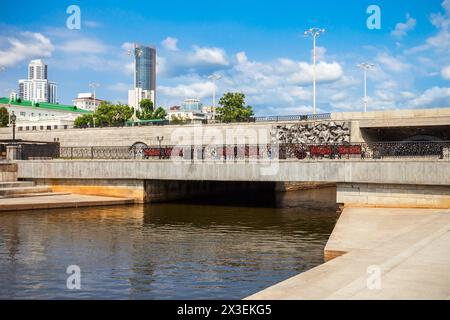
pixel 13 121
pixel 160 139
pixel 366 67
pixel 214 77
pixel 314 33
pixel 94 86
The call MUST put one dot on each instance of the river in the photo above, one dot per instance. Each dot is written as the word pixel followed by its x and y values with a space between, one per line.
pixel 158 251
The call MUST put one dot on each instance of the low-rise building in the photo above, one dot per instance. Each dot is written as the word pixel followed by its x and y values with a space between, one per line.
pixel 32 116
pixel 87 101
pixel 191 110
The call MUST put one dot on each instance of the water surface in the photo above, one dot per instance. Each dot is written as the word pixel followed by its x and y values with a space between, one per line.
pixel 159 251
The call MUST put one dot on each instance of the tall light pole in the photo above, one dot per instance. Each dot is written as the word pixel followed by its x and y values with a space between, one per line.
pixel 314 33
pixel 136 52
pixel 214 77
pixel 160 139
pixel 366 67
pixel 94 85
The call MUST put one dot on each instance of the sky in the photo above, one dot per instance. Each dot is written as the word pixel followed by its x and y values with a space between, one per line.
pixel 258 47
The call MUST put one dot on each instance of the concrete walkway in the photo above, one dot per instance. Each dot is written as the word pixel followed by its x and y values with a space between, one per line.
pixel 53 201
pixel 410 248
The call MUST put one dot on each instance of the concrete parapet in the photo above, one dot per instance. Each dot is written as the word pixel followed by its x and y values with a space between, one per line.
pixel 393 195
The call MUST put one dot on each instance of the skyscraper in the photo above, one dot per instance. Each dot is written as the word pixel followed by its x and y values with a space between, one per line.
pixel 37 88
pixel 144 75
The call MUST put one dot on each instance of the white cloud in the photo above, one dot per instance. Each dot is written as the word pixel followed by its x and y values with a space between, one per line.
pixel 127 46
pixel 407 95
pixel 205 55
pixel 434 97
pixel 161 65
pixel 401 29
pixel 302 72
pixel 119 87
pixel 83 45
pixel 392 63
pixel 193 90
pixel 170 44
pixel 441 40
pixel 445 72
pixel 92 24
pixel 26 46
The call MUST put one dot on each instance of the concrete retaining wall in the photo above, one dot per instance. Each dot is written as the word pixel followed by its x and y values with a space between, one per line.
pixel 8 172
pixel 393 195
pixel 123 188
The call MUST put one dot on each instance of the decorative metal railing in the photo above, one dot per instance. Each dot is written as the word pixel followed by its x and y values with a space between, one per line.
pixel 376 150
pixel 304 117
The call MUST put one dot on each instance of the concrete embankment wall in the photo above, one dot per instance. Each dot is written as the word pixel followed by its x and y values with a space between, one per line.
pixel 122 188
pixel 393 195
pixel 8 172
pixel 127 136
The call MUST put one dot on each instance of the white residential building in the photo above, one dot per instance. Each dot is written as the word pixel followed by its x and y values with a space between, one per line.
pixel 86 101
pixel 37 88
pixel 135 96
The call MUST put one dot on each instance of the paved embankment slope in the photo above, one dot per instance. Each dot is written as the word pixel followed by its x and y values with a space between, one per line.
pixel 53 201
pixel 411 248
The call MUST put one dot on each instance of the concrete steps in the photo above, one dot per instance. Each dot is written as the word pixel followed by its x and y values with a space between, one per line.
pixel 24 190
pixel 18 189
pixel 28 195
pixel 16 184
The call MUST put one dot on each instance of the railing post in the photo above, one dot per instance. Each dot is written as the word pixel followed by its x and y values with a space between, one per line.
pixel 92 153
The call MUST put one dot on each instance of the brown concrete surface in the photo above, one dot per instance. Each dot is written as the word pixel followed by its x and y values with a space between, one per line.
pixel 59 201
pixel 410 247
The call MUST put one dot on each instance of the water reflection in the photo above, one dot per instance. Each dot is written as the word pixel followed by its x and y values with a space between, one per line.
pixel 164 251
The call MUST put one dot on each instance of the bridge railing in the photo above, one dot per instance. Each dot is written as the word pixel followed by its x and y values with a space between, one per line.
pixel 302 117
pixel 292 151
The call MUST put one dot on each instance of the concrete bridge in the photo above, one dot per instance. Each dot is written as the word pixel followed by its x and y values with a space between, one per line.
pixel 399 182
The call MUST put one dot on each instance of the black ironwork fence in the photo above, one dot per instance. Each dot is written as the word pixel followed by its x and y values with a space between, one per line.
pixel 29 150
pixel 303 117
pixel 377 150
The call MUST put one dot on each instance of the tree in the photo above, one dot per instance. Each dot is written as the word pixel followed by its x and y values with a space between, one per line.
pixel 233 108
pixel 159 113
pixel 4 117
pixel 84 121
pixel 107 115
pixel 146 109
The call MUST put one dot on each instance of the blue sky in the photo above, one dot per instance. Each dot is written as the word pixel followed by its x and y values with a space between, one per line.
pixel 257 46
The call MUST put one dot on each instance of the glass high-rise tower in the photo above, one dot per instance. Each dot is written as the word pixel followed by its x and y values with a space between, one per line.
pixel 144 75
pixel 145 68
